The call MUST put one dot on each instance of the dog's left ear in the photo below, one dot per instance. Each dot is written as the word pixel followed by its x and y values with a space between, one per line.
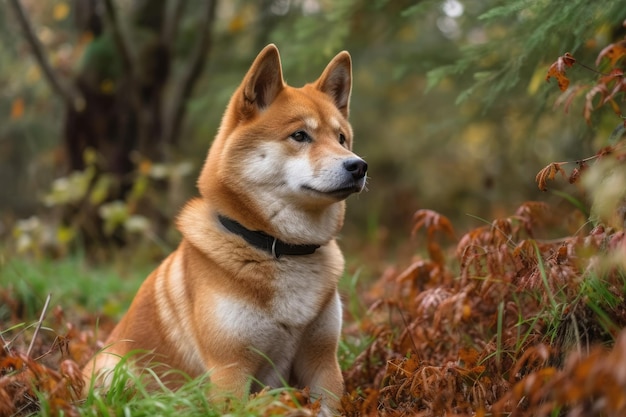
pixel 264 79
pixel 336 81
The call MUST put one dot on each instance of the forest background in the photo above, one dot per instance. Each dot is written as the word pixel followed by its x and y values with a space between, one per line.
pixel 109 108
pixel 450 106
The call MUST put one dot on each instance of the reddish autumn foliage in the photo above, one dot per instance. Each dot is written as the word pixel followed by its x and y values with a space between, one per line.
pixel 48 368
pixel 609 85
pixel 491 338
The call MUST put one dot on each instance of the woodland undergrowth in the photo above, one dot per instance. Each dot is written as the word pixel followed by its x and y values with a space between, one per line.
pixel 511 325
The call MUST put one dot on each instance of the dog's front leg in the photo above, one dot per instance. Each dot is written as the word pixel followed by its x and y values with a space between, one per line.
pixel 315 364
pixel 231 380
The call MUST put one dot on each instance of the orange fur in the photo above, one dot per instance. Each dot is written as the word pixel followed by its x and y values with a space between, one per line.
pixel 281 163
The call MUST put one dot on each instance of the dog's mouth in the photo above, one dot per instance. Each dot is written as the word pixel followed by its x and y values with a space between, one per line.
pixel 338 193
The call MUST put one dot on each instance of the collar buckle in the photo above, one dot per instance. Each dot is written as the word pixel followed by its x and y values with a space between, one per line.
pixel 274 254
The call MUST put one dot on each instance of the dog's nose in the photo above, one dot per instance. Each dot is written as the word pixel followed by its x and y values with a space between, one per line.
pixel 356 166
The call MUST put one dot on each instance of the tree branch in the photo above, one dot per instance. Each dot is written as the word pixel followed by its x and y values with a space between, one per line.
pixel 70 95
pixel 181 92
pixel 129 66
pixel 171 18
pixel 120 42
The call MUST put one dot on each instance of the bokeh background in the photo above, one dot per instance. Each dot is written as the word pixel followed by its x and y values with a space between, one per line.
pixel 450 108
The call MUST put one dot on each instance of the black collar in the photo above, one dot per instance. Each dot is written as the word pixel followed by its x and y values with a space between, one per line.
pixel 265 242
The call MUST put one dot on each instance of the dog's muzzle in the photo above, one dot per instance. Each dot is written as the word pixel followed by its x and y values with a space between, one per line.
pixel 350 180
pixel 355 177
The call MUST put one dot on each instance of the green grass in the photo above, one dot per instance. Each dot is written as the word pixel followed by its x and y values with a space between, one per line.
pixel 72 283
pixel 129 395
pixel 350 346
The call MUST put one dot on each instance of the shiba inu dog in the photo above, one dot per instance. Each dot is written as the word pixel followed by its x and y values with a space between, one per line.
pixel 250 294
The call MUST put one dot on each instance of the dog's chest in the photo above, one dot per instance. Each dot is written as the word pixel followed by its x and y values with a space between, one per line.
pixel 298 291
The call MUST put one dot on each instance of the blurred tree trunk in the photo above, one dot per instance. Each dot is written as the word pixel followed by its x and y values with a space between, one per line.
pixel 116 101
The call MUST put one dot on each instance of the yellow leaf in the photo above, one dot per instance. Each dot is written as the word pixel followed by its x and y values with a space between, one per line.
pixel 17 108
pixel 90 156
pixel 60 11
pixel 33 74
pixel 145 166
pixel 537 80
pixel 65 234
pixel 466 311
pixel 107 86
pixel 236 24
pixel 100 190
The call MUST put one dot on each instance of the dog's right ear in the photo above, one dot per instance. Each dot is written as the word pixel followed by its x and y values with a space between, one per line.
pixel 263 81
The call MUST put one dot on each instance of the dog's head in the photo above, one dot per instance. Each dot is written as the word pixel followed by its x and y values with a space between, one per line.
pixel 282 160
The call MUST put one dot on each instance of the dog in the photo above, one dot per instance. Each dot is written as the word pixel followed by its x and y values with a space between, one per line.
pixel 250 294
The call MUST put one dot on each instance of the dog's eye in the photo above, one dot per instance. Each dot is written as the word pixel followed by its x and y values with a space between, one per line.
pixel 342 139
pixel 300 136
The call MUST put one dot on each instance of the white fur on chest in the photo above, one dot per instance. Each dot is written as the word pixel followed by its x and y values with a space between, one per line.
pixel 303 290
pixel 299 291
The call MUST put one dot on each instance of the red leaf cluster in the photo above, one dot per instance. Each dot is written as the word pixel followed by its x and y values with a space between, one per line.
pixel 22 379
pixel 473 342
pixel 608 86
pixel 434 223
pixel 549 172
pixel 52 370
pixel 613 52
pixel 587 382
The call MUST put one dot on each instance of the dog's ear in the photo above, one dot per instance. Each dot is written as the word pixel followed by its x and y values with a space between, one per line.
pixel 336 81
pixel 264 79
